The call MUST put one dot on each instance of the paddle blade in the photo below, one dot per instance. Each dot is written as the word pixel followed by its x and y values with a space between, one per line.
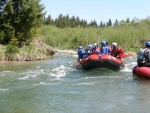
pixel 77 64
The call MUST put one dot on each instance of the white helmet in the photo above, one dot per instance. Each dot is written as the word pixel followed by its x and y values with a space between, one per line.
pixel 114 44
pixel 95 44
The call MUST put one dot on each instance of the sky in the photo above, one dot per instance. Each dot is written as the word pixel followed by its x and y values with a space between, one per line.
pixel 99 10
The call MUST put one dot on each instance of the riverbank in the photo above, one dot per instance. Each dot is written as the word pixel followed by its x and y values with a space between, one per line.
pixel 37 50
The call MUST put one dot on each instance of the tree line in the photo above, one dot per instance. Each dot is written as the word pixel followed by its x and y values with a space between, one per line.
pixel 65 21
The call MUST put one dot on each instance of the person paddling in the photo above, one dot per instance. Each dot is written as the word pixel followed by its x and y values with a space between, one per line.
pixel 80 53
pixel 143 57
pixel 108 47
pixel 116 50
pixel 95 49
pixel 103 49
pixel 89 51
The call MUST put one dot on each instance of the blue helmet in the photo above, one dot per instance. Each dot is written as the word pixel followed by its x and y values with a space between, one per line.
pixel 89 46
pixel 147 44
pixel 103 43
pixel 80 47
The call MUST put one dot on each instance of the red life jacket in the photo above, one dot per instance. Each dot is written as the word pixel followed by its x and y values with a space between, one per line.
pixel 95 51
pixel 117 52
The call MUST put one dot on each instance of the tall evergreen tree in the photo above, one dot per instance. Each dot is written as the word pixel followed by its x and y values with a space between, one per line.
pixel 102 24
pixel 109 22
pixel 93 23
pixel 77 21
pixel 59 21
pixel 22 17
pixel 6 26
pixel 73 21
pixel 48 20
pixel 3 27
pixel 67 21
pixel 83 23
pixel 116 23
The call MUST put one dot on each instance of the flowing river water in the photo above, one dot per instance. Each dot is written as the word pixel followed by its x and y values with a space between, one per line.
pixel 56 86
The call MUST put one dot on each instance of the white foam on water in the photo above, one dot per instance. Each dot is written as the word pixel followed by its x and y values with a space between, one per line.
pixel 84 83
pixel 46 84
pixel 3 73
pixel 41 84
pixel 28 76
pixel 58 71
pixel 134 63
pixel 126 70
pixel 4 90
pixel 129 66
pixel 31 74
pixel 23 78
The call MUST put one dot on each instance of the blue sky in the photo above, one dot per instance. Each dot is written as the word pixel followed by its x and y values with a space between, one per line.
pixel 98 9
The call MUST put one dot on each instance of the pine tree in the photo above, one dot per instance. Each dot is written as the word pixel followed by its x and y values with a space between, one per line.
pixel 21 18
pixel 116 22
pixel 109 22
pixel 83 23
pixel 102 24
pixel 6 27
pixel 73 22
pixel 66 21
pixel 77 21
pixel 93 23
pixel 48 20
pixel 59 21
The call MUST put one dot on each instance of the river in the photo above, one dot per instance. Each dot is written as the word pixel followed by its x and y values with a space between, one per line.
pixel 56 86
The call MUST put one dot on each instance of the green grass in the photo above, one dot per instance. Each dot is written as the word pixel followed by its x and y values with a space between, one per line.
pixel 130 37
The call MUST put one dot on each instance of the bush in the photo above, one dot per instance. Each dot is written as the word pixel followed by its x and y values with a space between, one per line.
pixel 12 47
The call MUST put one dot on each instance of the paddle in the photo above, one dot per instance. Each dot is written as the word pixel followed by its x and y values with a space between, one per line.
pixel 87 41
pixel 78 64
pixel 99 36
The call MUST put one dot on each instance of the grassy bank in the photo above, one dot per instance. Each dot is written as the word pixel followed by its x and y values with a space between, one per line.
pixel 37 50
pixel 130 37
